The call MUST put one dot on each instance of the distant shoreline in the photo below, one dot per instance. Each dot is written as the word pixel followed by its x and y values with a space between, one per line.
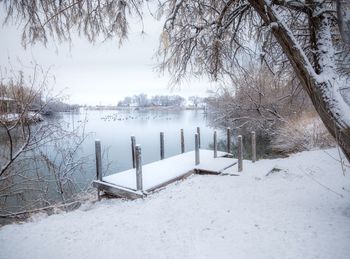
pixel 138 108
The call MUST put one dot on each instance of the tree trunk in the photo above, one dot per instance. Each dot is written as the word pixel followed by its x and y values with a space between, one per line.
pixel 343 15
pixel 316 89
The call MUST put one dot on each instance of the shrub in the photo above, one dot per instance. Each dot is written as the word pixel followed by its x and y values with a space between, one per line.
pixel 305 132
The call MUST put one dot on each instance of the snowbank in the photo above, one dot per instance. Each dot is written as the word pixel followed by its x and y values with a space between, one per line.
pixel 14 117
pixel 297 207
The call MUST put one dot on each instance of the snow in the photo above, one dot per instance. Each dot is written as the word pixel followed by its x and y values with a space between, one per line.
pixel 328 74
pixel 159 172
pixel 6 99
pixel 13 117
pixel 274 25
pixel 333 83
pixel 10 117
pixel 301 209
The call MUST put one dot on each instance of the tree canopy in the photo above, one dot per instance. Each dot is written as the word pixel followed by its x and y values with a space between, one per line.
pixel 304 37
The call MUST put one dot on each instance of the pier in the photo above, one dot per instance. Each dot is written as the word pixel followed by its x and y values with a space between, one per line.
pixel 142 180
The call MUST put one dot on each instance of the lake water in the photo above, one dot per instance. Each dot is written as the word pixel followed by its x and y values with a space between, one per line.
pixel 114 129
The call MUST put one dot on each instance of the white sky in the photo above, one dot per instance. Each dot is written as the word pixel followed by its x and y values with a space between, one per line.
pixel 102 73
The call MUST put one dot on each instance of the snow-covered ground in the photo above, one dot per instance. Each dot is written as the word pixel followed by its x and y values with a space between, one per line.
pixel 301 209
pixel 14 117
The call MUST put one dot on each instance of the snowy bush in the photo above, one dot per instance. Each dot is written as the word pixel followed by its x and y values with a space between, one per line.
pixel 257 100
pixel 305 132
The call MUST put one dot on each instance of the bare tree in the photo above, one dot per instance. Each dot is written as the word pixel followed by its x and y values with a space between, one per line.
pixel 167 100
pixel 195 100
pixel 258 101
pixel 209 37
pixel 141 100
pixel 16 124
pixel 343 14
pixel 37 157
pixel 126 102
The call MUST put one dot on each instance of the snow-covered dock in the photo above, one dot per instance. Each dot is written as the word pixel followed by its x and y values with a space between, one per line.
pixel 161 173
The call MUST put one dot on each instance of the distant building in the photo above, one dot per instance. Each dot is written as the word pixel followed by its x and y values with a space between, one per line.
pixel 7 105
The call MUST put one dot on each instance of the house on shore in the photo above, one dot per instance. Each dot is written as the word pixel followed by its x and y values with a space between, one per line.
pixel 10 112
pixel 7 105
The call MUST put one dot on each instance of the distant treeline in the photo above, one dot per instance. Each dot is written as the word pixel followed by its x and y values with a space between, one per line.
pixel 142 100
pixel 17 98
pixel 58 106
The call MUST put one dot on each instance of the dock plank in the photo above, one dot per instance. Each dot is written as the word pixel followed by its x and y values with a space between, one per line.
pixel 163 172
pixel 118 191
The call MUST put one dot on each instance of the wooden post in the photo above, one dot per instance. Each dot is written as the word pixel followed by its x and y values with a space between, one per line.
pixel 182 141
pixel 240 153
pixel 196 146
pixel 215 145
pixel 98 164
pixel 162 145
pixel 228 132
pixel 98 160
pixel 199 136
pixel 253 146
pixel 139 184
pixel 133 144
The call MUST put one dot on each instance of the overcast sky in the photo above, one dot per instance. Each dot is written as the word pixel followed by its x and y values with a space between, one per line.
pixel 101 73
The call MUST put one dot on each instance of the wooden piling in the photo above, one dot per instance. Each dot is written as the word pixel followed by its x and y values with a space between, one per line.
pixel 161 145
pixel 199 136
pixel 215 145
pixel 133 144
pixel 240 153
pixel 139 184
pixel 98 160
pixel 98 164
pixel 196 146
pixel 228 133
pixel 253 146
pixel 182 141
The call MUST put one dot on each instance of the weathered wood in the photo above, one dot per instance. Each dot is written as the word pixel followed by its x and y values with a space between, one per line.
pixel 206 171
pixel 162 145
pixel 178 178
pixel 98 160
pixel 182 141
pixel 98 164
pixel 125 188
pixel 117 190
pixel 253 146
pixel 228 133
pixel 139 185
pixel 196 146
pixel 133 144
pixel 199 136
pixel 215 145
pixel 203 172
pixel 240 153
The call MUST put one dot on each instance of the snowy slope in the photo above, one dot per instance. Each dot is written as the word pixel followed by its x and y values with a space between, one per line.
pixel 301 211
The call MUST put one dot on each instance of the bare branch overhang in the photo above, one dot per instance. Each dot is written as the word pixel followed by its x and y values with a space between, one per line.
pixel 294 5
pixel 288 42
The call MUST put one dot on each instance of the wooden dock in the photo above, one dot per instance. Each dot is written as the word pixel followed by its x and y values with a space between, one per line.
pixel 144 179
pixel 161 173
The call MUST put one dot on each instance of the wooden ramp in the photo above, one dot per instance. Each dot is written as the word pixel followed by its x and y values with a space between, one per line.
pixel 161 173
